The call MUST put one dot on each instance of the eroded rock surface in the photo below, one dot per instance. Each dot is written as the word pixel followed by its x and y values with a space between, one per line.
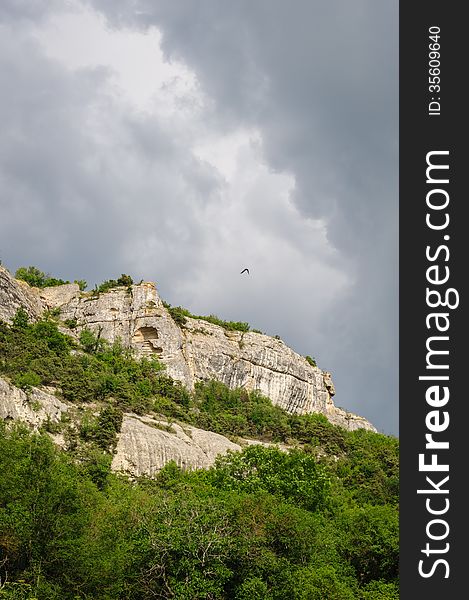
pixel 15 294
pixel 146 445
pixel 33 408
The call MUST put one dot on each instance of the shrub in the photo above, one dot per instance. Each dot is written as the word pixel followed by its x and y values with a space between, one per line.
pixel 89 341
pixel 294 476
pixel 37 278
pixel 82 284
pixel 238 412
pixel 21 319
pixel 180 315
pixel 317 430
pixel 369 541
pixel 369 467
pixel 27 380
pixel 122 281
pixel 103 430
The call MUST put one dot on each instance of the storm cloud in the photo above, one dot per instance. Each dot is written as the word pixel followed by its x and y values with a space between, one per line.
pixel 184 141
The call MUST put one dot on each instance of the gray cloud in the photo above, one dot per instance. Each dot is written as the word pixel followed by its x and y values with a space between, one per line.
pixel 24 10
pixel 320 81
pixel 81 175
pixel 102 189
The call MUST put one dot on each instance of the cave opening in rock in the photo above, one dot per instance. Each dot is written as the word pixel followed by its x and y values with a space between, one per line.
pixel 145 338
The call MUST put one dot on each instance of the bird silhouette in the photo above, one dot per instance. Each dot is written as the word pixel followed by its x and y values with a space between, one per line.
pixel 245 271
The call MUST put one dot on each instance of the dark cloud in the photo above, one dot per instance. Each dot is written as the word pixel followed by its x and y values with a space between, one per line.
pixel 102 188
pixel 82 176
pixel 319 79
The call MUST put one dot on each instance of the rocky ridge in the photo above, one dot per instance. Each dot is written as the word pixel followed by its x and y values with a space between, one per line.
pixel 194 351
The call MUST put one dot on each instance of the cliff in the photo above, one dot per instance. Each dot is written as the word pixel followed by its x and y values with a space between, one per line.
pixel 192 351
pixel 195 351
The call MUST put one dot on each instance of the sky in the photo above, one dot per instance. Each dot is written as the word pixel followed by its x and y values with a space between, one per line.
pixel 180 142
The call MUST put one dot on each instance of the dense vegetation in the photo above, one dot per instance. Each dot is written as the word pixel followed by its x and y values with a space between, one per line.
pixel 263 524
pixel 316 523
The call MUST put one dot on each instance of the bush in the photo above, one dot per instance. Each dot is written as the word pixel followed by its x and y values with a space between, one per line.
pixel 71 323
pixel 89 341
pixel 369 467
pixel 27 380
pixel 37 278
pixel 180 315
pixel 21 319
pixel 238 412
pixel 103 430
pixel 122 281
pixel 318 431
pixel 253 588
pixel 82 284
pixel 369 541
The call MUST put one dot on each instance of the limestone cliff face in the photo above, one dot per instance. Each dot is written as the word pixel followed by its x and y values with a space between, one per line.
pixel 33 408
pixel 15 294
pixel 146 445
pixel 195 351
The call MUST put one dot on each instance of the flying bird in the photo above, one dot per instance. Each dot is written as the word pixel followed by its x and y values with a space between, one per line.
pixel 245 271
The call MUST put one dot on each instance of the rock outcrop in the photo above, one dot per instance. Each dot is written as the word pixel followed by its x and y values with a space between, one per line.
pixel 146 445
pixel 33 408
pixel 15 294
pixel 194 351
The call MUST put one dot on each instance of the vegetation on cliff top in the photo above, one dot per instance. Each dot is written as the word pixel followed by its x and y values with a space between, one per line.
pixel 37 278
pixel 180 315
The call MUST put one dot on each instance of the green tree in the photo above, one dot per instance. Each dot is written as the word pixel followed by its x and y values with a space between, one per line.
pixel 42 508
pixel 294 476
pixel 32 275
pixel 125 280
pixel 369 541
pixel 37 278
